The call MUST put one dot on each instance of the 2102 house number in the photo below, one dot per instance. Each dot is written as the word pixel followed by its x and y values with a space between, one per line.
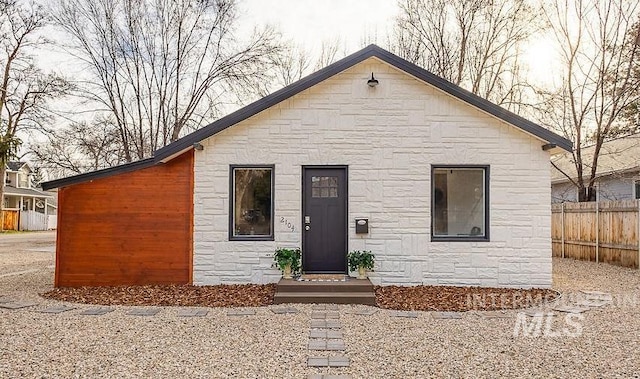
pixel 288 224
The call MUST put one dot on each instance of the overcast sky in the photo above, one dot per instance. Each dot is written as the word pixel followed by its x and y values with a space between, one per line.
pixel 308 22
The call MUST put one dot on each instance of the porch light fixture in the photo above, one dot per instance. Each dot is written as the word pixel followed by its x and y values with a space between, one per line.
pixel 198 146
pixel 549 146
pixel 373 81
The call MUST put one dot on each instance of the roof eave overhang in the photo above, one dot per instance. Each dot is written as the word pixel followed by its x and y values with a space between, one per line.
pixel 26 195
pixel 187 142
pixel 128 167
pixel 599 175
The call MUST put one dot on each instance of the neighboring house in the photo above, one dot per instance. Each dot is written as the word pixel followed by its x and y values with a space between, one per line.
pixel 20 198
pixel 617 174
pixel 454 189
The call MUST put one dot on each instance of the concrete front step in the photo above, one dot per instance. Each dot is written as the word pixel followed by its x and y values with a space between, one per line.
pixel 351 285
pixel 367 298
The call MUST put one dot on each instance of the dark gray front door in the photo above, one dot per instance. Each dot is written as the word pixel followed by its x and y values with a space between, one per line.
pixel 324 219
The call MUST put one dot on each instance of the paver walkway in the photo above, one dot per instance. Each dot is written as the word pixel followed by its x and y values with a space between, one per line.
pixel 326 335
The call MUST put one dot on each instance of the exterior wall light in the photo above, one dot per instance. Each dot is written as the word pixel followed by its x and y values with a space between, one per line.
pixel 373 81
pixel 198 146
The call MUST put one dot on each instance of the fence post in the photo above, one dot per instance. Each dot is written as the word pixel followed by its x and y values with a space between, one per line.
pixel 597 231
pixel 562 227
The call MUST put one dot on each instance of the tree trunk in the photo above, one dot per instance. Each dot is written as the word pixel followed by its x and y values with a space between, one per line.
pixel 586 194
pixel 3 173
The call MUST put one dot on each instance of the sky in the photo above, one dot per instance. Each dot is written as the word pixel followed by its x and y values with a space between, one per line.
pixel 308 22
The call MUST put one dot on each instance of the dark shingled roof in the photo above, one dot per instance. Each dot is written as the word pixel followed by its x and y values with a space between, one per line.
pixel 15 166
pixel 187 142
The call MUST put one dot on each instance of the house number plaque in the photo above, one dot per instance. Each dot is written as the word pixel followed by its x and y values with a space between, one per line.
pixel 287 224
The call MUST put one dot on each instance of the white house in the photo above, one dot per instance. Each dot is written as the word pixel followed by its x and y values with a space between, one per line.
pixel 26 207
pixel 449 189
pixel 617 173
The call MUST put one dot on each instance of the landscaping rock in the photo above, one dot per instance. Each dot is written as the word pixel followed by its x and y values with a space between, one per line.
pixel 56 309
pixel 96 311
pixel 286 310
pixel 446 315
pixel 144 312
pixel 18 305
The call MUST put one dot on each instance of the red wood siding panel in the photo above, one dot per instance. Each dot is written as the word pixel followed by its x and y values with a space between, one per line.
pixel 134 228
pixel 10 220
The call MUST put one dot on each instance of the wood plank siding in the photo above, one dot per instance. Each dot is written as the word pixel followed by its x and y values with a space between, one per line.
pixel 10 220
pixel 133 228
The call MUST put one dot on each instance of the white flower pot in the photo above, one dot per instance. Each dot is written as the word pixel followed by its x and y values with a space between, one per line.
pixel 287 272
pixel 362 273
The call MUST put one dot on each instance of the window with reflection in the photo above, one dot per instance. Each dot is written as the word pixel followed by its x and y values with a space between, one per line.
pixel 252 203
pixel 459 198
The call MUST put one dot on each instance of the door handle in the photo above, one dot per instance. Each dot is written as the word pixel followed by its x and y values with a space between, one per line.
pixel 307 227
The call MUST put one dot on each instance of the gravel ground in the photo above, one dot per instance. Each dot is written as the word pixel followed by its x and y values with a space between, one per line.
pixel 266 345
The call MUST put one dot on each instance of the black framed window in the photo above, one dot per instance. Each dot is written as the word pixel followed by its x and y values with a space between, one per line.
pixel 251 192
pixel 636 189
pixel 460 203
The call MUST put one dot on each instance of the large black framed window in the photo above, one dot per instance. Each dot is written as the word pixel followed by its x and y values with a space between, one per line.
pixel 459 203
pixel 251 202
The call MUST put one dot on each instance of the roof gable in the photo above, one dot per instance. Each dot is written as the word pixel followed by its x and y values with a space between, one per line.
pixel 15 165
pixel 258 106
pixel 187 142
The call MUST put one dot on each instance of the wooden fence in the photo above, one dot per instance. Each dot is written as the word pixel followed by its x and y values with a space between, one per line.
pixel 32 220
pixel 604 231
pixel 52 222
pixel 10 220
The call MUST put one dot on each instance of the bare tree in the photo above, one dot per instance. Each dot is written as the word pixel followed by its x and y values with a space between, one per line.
pixel 79 147
pixel 292 64
pixel 471 43
pixel 631 114
pixel 159 68
pixel 600 52
pixel 330 51
pixel 24 89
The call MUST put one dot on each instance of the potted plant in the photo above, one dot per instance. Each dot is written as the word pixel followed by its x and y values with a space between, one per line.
pixel 288 261
pixel 361 260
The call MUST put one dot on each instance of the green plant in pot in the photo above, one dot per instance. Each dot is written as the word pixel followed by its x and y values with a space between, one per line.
pixel 288 261
pixel 362 261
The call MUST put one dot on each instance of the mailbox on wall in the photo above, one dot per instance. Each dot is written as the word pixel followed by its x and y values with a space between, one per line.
pixel 362 225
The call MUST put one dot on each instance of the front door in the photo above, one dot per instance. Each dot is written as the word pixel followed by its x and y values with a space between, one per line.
pixel 324 219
